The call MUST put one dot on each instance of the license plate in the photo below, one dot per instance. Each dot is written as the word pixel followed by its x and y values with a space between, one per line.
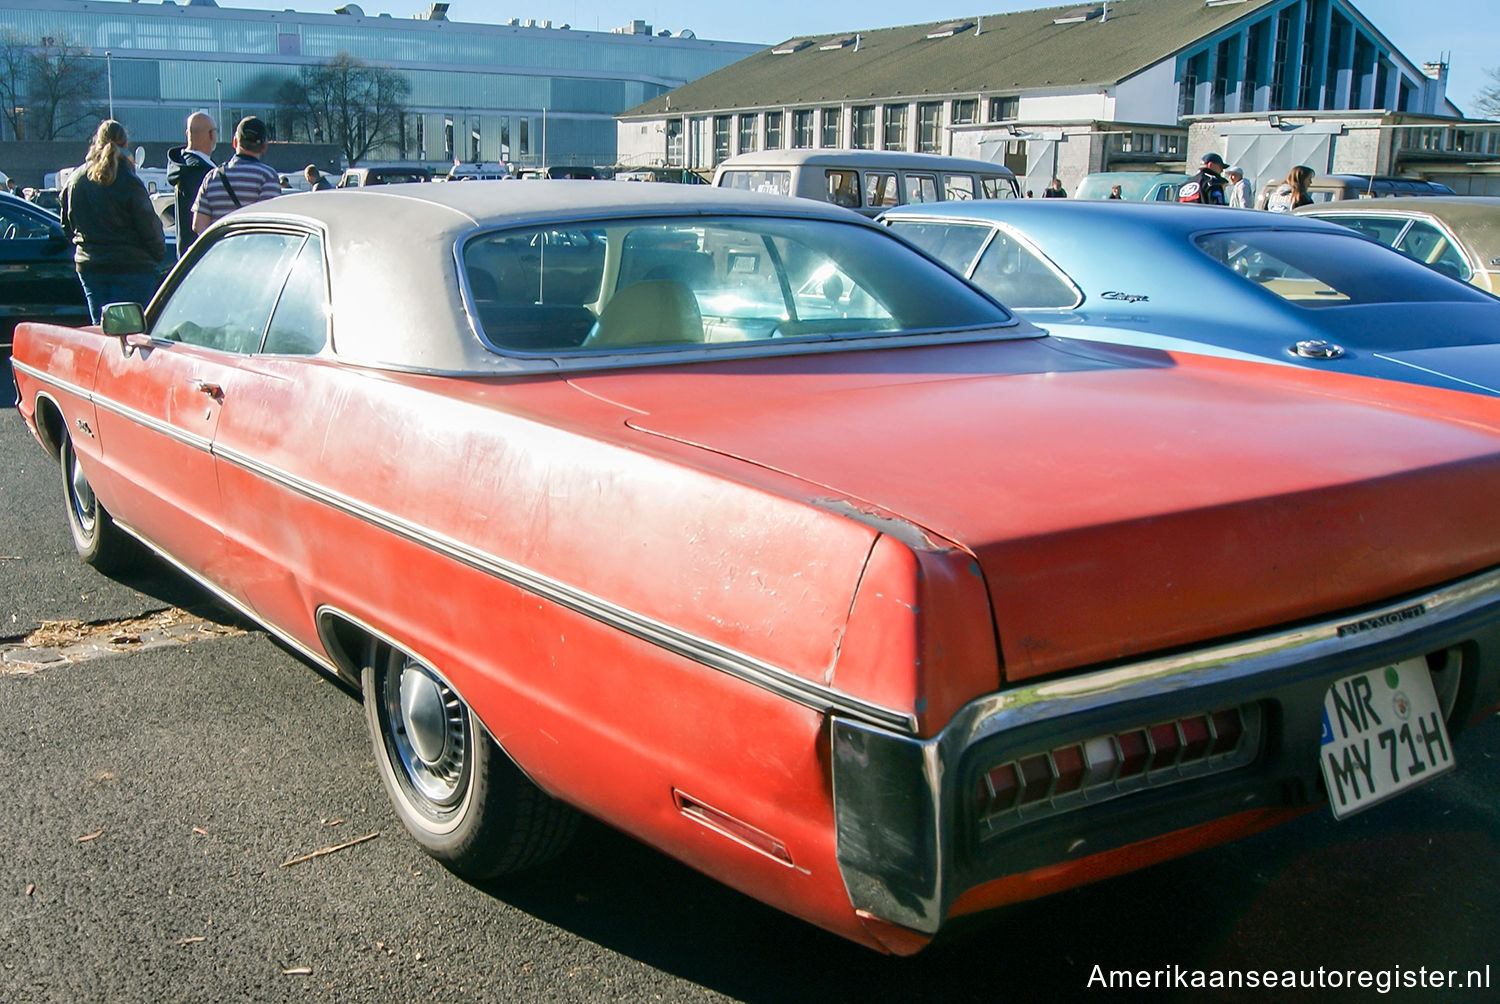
pixel 1382 734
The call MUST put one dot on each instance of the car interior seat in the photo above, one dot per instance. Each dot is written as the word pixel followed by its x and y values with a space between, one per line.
pixel 651 312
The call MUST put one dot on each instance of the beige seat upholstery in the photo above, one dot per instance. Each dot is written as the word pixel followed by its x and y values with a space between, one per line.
pixel 654 312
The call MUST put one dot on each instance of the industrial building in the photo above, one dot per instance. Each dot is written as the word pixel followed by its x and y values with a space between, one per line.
pixel 525 92
pixel 1066 91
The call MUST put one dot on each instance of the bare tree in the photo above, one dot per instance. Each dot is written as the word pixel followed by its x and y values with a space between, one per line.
pixel 50 87
pixel 66 85
pixel 1487 101
pixel 348 102
pixel 15 80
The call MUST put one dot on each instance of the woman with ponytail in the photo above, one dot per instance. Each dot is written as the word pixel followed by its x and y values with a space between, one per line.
pixel 118 245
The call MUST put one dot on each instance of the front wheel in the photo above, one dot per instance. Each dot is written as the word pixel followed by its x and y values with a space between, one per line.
pixel 95 536
pixel 455 790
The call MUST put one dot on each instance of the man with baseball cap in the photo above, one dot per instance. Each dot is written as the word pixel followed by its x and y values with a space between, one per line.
pixel 1206 188
pixel 242 181
pixel 1237 190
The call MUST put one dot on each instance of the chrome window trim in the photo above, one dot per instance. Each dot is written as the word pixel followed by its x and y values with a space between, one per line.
pixel 579 359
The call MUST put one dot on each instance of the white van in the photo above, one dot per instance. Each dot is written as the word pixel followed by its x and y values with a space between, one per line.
pixel 492 171
pixel 868 181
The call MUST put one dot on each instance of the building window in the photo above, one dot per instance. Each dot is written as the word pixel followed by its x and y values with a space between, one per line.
pixel 894 136
pixel 1187 100
pixel 802 128
pixel 525 136
pixel 773 130
pixel 831 127
pixel 965 111
pixel 1278 60
pixel 721 138
pixel 674 142
pixel 930 127
pixel 1005 109
pixel 1305 80
pixel 862 127
pixel 1221 79
pixel 747 133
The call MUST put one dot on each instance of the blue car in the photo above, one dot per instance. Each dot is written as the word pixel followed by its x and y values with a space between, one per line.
pixel 1225 282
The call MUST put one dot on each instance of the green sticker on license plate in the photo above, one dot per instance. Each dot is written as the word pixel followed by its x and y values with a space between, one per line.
pixel 1383 733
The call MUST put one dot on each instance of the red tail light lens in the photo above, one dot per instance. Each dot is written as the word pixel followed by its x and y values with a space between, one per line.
pixel 1118 763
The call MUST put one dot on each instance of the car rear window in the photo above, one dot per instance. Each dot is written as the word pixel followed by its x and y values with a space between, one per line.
pixel 702 282
pixel 1330 269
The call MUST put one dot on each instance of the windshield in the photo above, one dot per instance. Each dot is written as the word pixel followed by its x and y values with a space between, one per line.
pixel 1330 269
pixel 702 282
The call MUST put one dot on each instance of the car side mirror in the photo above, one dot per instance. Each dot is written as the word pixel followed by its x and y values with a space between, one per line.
pixel 123 319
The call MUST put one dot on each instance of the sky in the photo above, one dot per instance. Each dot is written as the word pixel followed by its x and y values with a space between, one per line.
pixel 1423 30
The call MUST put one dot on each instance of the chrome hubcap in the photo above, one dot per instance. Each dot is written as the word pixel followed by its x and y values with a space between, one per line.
pixel 82 495
pixel 422 715
pixel 429 728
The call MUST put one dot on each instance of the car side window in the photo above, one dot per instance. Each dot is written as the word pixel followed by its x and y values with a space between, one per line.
pixel 1380 228
pixel 958 187
pixel 16 224
pixel 921 188
pixel 1430 246
pixel 843 188
pixel 225 300
pixel 880 189
pixel 953 244
pixel 299 326
pixel 1019 278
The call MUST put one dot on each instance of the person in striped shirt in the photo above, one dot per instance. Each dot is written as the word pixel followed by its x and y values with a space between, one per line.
pixel 242 181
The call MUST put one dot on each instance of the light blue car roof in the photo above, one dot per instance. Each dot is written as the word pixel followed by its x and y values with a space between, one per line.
pixel 1166 294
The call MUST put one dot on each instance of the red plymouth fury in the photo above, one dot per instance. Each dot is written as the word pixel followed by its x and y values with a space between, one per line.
pixel 736 522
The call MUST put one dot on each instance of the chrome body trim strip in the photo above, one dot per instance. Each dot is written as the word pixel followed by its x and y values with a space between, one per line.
pixel 99 401
pixel 898 803
pixel 706 653
pixel 201 443
pixel 745 667
pixel 48 378
pixel 317 658
pixel 1055 698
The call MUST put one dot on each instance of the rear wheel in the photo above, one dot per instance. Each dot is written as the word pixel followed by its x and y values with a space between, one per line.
pixel 455 790
pixel 95 536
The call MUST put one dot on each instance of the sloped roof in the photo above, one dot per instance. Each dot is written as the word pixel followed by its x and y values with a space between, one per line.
pixel 1024 50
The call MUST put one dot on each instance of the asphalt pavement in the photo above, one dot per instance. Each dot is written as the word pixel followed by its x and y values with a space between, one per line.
pixel 155 797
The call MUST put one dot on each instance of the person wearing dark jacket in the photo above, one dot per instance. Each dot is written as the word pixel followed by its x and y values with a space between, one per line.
pixel 1206 188
pixel 118 245
pixel 187 166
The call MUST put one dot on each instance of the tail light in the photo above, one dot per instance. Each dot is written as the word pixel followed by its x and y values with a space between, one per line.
pixel 1118 763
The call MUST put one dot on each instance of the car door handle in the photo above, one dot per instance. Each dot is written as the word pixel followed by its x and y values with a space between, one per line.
pixel 213 390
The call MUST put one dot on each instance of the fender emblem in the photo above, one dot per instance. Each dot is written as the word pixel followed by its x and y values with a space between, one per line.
pixel 1127 297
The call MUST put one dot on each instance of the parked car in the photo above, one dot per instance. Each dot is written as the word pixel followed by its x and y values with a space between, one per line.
pixel 1135 186
pixel 359 177
pixel 1248 285
pixel 737 523
pixel 866 181
pixel 1458 235
pixel 37 277
pixel 1338 187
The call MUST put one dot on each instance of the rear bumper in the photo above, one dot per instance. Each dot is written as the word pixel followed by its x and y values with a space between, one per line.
pixel 911 837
